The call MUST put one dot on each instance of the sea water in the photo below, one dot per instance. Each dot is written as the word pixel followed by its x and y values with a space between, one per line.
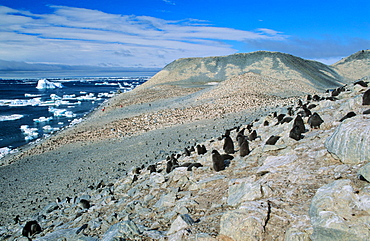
pixel 28 113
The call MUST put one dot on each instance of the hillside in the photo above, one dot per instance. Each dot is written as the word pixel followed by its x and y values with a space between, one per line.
pixel 199 71
pixel 314 188
pixel 354 66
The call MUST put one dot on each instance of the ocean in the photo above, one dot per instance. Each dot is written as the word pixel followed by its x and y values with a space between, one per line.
pixel 31 109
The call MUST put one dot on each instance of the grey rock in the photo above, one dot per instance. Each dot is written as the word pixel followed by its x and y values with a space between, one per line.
pixel 338 213
pixel 365 172
pixel 122 230
pixel 350 142
pixel 245 223
pixel 182 221
pixel 66 234
pixel 244 191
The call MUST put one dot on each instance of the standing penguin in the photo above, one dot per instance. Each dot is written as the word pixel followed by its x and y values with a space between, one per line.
pixel 228 145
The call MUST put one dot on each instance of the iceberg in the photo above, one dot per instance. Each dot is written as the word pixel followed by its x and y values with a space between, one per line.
pixel 46 84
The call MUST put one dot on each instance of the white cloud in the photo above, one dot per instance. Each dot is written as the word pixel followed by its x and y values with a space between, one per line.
pixel 82 36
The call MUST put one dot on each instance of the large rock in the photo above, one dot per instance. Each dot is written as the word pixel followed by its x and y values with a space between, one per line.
pixel 244 191
pixel 122 230
pixel 338 213
pixel 350 142
pixel 365 172
pixel 246 223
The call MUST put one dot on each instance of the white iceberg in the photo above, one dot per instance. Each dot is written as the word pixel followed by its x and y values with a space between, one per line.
pixel 46 84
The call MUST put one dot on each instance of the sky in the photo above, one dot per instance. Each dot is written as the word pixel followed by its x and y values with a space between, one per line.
pixel 153 33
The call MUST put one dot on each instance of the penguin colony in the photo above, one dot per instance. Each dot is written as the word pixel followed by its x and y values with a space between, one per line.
pixel 220 161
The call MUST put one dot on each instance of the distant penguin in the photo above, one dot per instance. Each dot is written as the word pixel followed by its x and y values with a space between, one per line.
pixel 295 133
pixel 186 152
pixel 311 106
pixel 298 121
pixel 316 98
pixel 348 115
pixel 361 83
pixel 366 98
pixel 253 135
pixel 309 97
pixel 366 112
pixel 286 120
pixel 218 162
pixel 290 111
pixel 228 145
pixel 265 123
pixel 85 203
pixel 196 164
pixel 169 166
pixel 31 228
pixel 280 117
pixel 315 120
pixel 201 149
pixel 244 148
pixel 152 168
pixel 272 140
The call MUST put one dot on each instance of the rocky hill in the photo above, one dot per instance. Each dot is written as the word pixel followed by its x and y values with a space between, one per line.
pixel 354 66
pixel 310 185
pixel 200 71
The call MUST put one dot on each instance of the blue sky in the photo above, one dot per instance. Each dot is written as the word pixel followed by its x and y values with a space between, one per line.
pixel 153 33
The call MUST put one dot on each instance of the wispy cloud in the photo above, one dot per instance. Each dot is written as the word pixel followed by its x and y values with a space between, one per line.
pixel 80 36
pixel 169 2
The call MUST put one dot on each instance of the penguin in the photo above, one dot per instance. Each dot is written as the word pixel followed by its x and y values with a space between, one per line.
pixel 348 115
pixel 295 133
pixel 228 145
pixel 244 148
pixel 219 160
pixel 366 98
pixel 31 228
pixel 253 135
pixel 315 120
pixel 298 121
pixel 272 140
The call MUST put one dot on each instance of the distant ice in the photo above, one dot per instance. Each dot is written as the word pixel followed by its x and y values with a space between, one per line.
pixel 30 133
pixel 5 151
pixel 46 84
pixel 10 117
pixel 43 119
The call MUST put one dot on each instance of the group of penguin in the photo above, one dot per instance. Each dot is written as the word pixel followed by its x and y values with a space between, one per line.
pixel 220 161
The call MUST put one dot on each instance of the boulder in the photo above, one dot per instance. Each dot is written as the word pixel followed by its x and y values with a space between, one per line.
pixel 245 223
pixel 350 142
pixel 182 222
pixel 244 191
pixel 122 230
pixel 338 213
pixel 365 172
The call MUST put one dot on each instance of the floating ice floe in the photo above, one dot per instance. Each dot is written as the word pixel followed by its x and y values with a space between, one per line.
pixel 106 83
pixel 50 129
pixel 30 133
pixel 5 151
pixel 10 117
pixel 43 119
pixel 46 84
pixel 32 95
pixel 20 102
pixel 61 112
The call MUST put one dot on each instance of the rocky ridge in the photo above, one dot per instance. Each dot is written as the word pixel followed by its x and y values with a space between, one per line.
pixel 281 66
pixel 308 189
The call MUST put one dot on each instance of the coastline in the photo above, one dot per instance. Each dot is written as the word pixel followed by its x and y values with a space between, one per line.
pixel 138 127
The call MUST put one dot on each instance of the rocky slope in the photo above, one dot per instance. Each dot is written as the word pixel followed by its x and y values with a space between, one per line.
pixel 354 66
pixel 313 188
pixel 199 71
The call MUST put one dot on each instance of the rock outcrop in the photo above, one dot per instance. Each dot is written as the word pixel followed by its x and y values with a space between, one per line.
pixel 201 71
